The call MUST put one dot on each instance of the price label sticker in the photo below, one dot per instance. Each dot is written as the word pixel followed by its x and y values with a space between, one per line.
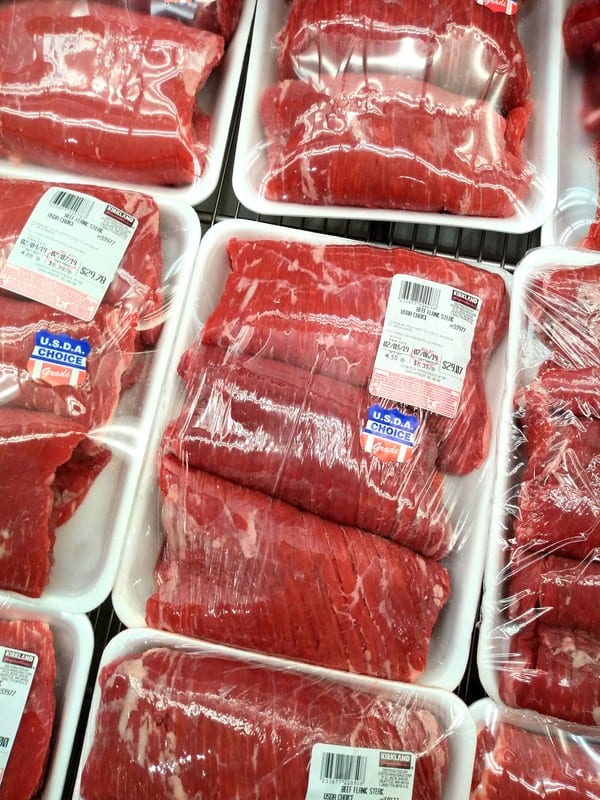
pixel 68 252
pixel 17 669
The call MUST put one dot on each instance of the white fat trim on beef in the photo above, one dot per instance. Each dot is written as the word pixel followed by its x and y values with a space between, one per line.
pixel 579 658
pixel 309 188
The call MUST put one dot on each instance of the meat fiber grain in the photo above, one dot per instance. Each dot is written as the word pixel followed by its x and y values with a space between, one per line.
pixel 459 45
pixel 242 568
pixel 25 770
pixel 94 89
pixel 190 725
pixel 297 436
pixel 384 141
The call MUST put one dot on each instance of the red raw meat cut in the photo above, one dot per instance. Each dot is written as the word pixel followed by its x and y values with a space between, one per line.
pixel 554 671
pixel 32 446
pixel 74 479
pixel 590 108
pixel 558 505
pixel 217 16
pixel 90 88
pixel 561 391
pixel 24 775
pixel 111 335
pixel 459 46
pixel 581 29
pixel 279 302
pixel 250 727
pixel 136 287
pixel 520 764
pixel 296 436
pixel 242 568
pixel 564 306
pixel 556 591
pixel 384 141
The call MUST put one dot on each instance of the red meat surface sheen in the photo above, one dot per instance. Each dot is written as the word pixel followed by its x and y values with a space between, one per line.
pixel 581 29
pixel 279 302
pixel 297 436
pixel 457 45
pixel 242 568
pixel 520 764
pixel 90 88
pixel 384 141
pixel 33 446
pixel 26 767
pixel 185 724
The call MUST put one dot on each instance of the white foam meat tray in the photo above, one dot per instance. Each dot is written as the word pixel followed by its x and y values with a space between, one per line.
pixel 88 546
pixel 216 98
pixel 449 650
pixel 452 714
pixel 74 644
pixel 539 25
pixel 524 353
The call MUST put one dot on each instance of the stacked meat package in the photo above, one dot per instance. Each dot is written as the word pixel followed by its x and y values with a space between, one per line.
pixel 540 641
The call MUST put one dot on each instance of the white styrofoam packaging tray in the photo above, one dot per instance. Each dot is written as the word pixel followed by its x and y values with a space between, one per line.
pixel 88 546
pixel 577 170
pixel 449 710
pixel 450 643
pixel 539 30
pixel 74 644
pixel 524 353
pixel 216 98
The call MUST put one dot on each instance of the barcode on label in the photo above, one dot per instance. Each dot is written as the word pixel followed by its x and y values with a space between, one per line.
pixel 72 202
pixel 343 767
pixel 418 293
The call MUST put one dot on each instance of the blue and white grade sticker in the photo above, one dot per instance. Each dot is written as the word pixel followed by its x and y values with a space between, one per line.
pixel 68 252
pixel 58 359
pixel 425 346
pixel 17 668
pixel 389 434
pixel 339 772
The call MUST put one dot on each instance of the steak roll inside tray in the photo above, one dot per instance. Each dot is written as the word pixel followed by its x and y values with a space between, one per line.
pixel 77 380
pixel 257 725
pixel 434 113
pixel 142 100
pixel 271 513
pixel 539 645
pixel 63 644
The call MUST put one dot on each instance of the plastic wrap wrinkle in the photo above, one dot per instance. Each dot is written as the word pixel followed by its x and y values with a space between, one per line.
pixel 459 46
pixel 240 567
pixel 25 771
pixel 113 91
pixel 250 726
pixel 385 141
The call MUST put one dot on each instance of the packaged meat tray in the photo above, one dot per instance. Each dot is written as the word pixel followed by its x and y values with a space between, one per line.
pixel 78 372
pixel 256 724
pixel 286 461
pixel 524 757
pixel 147 106
pixel 578 174
pixel 63 644
pixel 435 113
pixel 540 635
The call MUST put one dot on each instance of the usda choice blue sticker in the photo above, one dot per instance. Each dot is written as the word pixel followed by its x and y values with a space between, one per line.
pixel 59 360
pixel 338 772
pixel 389 434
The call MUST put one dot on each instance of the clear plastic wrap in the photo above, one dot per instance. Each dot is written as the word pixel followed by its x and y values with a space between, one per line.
pixel 162 705
pixel 39 759
pixel 540 639
pixel 438 112
pixel 75 392
pixel 524 758
pixel 575 221
pixel 270 507
pixel 122 91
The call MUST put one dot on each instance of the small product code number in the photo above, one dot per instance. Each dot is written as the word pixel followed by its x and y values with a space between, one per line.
pixel 4 740
pixel 8 692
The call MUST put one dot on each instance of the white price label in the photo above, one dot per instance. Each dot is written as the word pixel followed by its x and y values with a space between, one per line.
pixel 425 346
pixel 68 252
pixel 338 772
pixel 17 669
